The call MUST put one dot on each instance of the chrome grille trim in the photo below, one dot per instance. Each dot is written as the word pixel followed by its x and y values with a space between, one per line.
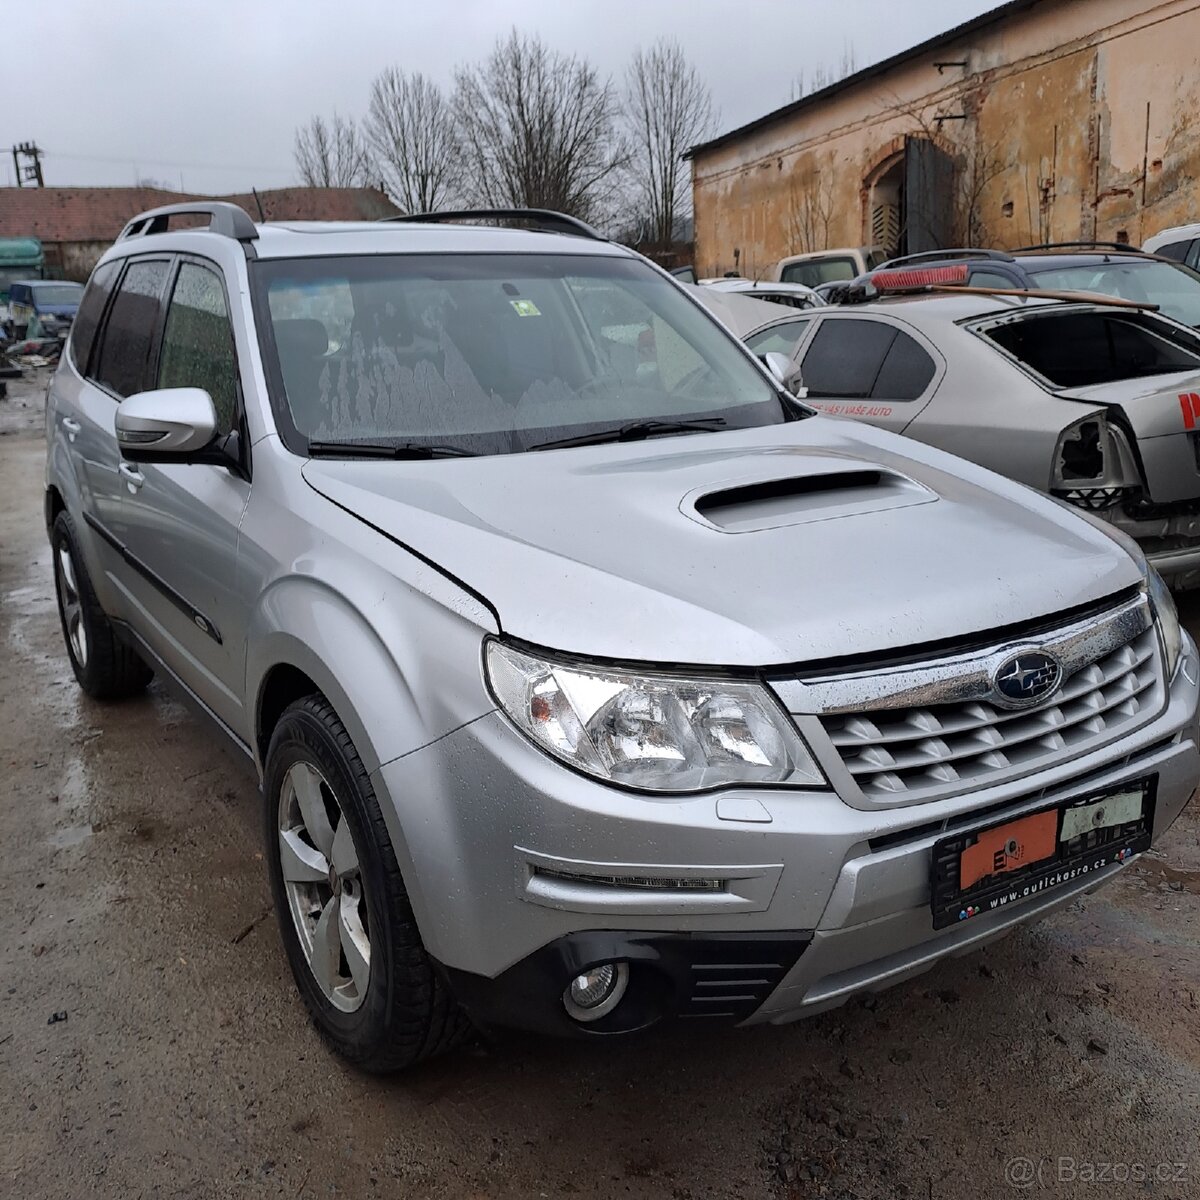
pixel 923 731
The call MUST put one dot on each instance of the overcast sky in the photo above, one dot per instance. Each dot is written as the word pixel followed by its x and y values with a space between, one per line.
pixel 207 96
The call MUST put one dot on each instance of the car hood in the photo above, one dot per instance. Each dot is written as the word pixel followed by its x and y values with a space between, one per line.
pixel 758 547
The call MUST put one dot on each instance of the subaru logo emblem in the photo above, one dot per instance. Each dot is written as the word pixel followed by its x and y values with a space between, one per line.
pixel 1027 678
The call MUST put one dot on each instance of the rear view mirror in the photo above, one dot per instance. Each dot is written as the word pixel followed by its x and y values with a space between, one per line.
pixel 786 373
pixel 166 425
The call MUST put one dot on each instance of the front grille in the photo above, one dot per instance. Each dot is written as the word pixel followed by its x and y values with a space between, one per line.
pixel 928 751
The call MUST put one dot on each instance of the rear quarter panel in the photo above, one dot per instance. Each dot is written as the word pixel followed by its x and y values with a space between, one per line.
pixel 989 411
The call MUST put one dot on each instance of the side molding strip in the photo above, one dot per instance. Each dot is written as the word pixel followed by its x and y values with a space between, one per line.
pixel 194 614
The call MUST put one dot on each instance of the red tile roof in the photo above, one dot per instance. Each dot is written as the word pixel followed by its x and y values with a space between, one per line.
pixel 98 214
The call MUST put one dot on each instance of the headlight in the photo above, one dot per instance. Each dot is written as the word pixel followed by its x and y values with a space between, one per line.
pixel 657 732
pixel 1167 616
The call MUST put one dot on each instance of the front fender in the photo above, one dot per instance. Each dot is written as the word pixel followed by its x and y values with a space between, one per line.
pixel 399 679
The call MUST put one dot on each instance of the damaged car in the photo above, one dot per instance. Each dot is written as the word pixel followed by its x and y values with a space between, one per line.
pixel 594 681
pixel 1093 400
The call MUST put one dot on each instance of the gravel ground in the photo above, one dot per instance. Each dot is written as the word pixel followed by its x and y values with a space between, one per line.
pixel 134 909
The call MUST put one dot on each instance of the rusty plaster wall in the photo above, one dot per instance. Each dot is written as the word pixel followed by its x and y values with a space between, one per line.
pixel 1056 144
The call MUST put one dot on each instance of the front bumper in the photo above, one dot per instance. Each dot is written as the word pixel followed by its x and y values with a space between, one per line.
pixel 522 873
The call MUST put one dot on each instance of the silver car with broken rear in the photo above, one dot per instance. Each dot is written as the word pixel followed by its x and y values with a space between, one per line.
pixel 594 681
pixel 1093 399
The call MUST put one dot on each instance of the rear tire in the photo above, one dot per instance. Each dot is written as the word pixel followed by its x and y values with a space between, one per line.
pixel 344 915
pixel 105 667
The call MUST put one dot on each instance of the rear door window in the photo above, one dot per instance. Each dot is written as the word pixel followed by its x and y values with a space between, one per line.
pixel 1080 349
pixel 124 352
pixel 844 358
pixel 91 309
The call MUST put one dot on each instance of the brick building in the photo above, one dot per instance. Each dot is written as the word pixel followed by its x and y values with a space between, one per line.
pixel 77 224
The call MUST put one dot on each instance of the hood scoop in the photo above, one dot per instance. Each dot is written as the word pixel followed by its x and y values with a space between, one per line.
pixel 773 503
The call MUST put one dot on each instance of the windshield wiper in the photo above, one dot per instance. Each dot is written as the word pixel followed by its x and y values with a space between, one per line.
pixel 386 450
pixel 634 431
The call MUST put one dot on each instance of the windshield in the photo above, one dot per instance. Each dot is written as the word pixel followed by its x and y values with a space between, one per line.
pixel 1174 288
pixel 494 354
pixel 816 271
pixel 11 275
pixel 56 295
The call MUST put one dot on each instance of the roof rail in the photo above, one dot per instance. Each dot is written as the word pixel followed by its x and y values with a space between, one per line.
pixel 224 218
pixel 1127 247
pixel 955 252
pixel 544 219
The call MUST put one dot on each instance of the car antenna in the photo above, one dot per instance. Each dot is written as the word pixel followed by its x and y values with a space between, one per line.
pixel 262 216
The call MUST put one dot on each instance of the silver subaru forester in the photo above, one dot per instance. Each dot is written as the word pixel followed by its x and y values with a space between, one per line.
pixel 594 681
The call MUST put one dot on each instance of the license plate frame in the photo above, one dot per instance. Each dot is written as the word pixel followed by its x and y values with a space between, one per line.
pixel 1088 848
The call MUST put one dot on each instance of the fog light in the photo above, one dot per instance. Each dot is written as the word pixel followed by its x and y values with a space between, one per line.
pixel 596 991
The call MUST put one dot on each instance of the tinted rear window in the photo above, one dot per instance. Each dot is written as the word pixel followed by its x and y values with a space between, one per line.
pixel 91 309
pixel 1176 250
pixel 906 372
pixel 820 270
pixel 1079 349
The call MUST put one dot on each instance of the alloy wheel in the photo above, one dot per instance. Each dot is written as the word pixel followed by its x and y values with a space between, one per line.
pixel 72 606
pixel 323 884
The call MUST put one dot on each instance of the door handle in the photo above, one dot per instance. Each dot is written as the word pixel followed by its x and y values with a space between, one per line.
pixel 132 476
pixel 72 427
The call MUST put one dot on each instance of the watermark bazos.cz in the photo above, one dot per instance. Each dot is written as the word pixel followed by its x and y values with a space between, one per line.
pixel 1024 1173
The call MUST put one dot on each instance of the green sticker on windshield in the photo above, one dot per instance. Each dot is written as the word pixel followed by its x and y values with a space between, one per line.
pixel 525 308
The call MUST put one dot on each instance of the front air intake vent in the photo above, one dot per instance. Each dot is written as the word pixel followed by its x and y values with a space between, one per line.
pixel 768 503
pixel 788 489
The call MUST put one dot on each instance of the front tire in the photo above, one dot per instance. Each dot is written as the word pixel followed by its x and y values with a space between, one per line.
pixel 105 668
pixel 343 911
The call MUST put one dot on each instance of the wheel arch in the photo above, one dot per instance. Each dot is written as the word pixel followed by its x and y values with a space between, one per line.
pixel 53 504
pixel 389 680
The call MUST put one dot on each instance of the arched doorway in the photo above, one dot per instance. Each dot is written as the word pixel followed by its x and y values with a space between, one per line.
pixel 909 198
pixel 885 206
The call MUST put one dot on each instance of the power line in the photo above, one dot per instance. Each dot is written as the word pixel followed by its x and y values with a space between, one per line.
pixel 140 160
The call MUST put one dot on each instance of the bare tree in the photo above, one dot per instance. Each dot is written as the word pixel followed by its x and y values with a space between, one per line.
pixel 667 109
pixel 978 163
pixel 823 77
pixel 411 130
pixel 331 154
pixel 811 208
pixel 539 129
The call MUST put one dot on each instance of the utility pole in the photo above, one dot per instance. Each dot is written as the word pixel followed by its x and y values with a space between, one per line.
pixel 32 172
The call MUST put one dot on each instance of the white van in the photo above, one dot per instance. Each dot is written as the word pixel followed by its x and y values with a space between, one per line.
pixel 1181 243
pixel 828 266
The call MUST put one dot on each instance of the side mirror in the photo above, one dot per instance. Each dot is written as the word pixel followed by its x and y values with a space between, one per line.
pixel 166 425
pixel 786 373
